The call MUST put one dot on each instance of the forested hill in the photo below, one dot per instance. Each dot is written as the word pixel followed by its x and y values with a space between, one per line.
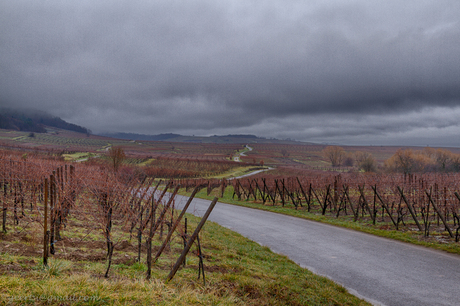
pixel 34 121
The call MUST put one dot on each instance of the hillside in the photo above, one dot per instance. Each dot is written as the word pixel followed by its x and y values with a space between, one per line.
pixel 34 121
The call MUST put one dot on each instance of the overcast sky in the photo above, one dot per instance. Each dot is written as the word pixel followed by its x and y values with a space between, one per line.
pixel 349 72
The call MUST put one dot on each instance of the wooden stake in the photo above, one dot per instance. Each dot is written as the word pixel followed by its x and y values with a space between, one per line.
pixel 410 209
pixel 191 240
pixel 439 213
pixel 45 226
pixel 173 228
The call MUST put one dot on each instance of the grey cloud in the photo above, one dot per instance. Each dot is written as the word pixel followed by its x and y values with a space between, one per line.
pixel 207 66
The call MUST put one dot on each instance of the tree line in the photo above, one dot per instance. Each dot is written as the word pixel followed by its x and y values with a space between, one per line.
pixel 403 161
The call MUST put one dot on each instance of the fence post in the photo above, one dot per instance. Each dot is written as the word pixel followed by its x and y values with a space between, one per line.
pixel 410 209
pixel 52 210
pixel 5 207
pixel 45 226
pixel 371 213
pixel 191 240
pixel 173 228
pixel 384 205
pixel 439 213
pixel 154 226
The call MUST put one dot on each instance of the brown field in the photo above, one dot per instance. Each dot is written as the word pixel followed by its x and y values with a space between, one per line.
pixel 289 159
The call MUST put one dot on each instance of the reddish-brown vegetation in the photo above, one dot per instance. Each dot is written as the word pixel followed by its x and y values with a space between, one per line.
pixel 426 202
pixel 83 199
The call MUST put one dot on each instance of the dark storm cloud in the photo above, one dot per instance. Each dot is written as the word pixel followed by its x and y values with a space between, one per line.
pixel 279 68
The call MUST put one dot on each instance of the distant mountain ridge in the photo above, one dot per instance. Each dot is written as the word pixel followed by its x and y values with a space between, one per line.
pixel 134 136
pixel 232 138
pixel 38 121
pixel 34 121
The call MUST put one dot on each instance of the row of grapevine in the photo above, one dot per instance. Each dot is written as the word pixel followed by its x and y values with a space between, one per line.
pixel 428 202
pixel 74 204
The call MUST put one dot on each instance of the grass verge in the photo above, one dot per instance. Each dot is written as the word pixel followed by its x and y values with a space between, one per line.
pixel 238 272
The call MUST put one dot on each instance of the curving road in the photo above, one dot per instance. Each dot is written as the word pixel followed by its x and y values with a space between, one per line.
pixel 382 271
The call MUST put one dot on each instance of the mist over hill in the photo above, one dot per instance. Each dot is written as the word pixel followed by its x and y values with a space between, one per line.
pixel 34 121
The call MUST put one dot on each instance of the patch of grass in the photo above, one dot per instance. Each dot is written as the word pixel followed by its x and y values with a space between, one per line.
pixel 146 162
pixel 236 172
pixel 238 272
pixel 75 156
pixel 57 267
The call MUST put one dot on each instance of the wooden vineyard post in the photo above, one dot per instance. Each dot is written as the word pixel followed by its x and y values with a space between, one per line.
pixel 290 195
pixel 4 206
pixel 384 205
pixel 410 209
pixel 282 193
pixel 355 213
pixel 328 189
pixel 262 193
pixel 60 196
pixel 242 188
pixel 173 228
pixel 191 240
pixel 374 210
pixel 342 204
pixel 236 190
pixel 304 194
pixel 154 226
pixel 150 199
pixel 140 210
pixel 456 219
pixel 200 265
pixel 45 226
pixel 52 210
pixel 279 191
pixel 184 237
pixel 223 185
pixel 313 193
pixel 250 191
pixel 268 192
pixel 209 188
pixel 457 195
pixel 335 198
pixel 371 213
pixel 439 213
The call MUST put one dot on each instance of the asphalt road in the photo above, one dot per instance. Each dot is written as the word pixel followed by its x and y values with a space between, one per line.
pixel 382 271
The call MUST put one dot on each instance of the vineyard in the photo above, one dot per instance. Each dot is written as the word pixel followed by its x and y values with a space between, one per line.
pixel 425 203
pixel 75 211
pixel 81 232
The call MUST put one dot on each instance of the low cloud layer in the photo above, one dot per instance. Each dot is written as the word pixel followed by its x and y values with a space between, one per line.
pixel 351 72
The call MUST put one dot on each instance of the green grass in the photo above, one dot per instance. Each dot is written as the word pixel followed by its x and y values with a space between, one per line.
pixel 342 221
pixel 238 272
pixel 76 156
pixel 236 172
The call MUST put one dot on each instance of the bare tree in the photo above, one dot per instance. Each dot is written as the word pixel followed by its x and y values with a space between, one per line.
pixel 409 161
pixel 334 154
pixel 117 156
pixel 365 161
pixel 285 153
pixel 348 160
